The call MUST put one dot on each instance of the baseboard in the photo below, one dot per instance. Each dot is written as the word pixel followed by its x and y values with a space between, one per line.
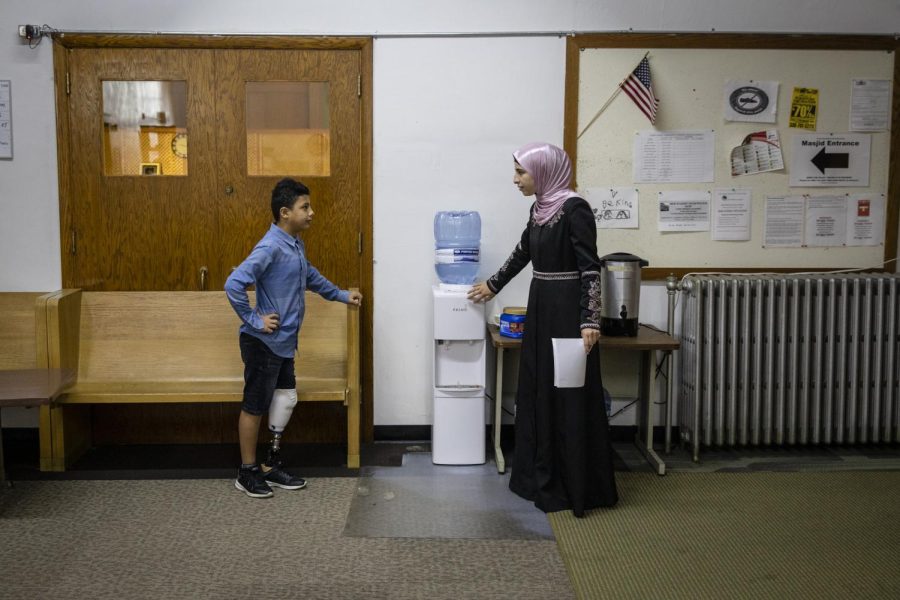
pixel 422 433
pixel 21 434
pixel 627 433
pixel 393 433
pixel 402 433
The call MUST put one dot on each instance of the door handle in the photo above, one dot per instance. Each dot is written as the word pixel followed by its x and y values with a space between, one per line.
pixel 204 275
pixel 229 189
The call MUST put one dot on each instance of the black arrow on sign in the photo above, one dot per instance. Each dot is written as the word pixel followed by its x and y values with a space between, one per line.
pixel 830 161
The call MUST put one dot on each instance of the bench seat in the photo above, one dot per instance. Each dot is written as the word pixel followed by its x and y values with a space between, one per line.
pixel 192 390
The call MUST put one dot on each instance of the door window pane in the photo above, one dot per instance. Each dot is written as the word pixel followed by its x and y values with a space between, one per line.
pixel 288 128
pixel 145 128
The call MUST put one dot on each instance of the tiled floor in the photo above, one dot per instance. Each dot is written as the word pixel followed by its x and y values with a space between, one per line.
pixel 423 500
pixel 785 458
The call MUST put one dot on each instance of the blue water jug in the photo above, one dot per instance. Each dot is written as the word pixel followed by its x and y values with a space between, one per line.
pixel 457 246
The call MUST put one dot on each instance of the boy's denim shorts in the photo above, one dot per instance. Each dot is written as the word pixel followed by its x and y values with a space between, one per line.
pixel 264 372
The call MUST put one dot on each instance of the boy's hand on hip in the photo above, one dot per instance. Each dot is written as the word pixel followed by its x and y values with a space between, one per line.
pixel 270 322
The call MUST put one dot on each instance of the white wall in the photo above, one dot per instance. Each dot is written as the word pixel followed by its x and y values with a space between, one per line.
pixel 456 155
pixel 447 115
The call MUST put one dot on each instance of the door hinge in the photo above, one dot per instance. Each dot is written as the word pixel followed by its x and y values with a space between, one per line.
pixel 73 247
pixel 68 84
pixel 359 243
pixel 359 86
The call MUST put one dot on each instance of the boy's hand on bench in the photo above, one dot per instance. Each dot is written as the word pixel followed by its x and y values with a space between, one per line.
pixel 355 298
pixel 270 322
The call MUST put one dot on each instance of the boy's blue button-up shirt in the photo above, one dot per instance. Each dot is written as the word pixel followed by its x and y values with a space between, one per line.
pixel 278 268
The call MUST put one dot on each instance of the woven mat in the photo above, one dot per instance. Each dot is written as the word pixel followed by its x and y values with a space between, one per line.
pixel 739 535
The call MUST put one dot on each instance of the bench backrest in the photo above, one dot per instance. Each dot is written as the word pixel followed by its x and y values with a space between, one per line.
pixel 160 336
pixel 20 330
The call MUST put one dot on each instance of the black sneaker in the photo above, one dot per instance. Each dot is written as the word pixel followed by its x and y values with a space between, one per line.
pixel 278 477
pixel 252 483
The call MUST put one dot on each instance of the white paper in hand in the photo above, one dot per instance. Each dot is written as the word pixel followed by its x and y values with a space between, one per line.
pixel 569 360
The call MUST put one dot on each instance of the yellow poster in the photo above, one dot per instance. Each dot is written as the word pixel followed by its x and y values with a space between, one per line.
pixel 804 107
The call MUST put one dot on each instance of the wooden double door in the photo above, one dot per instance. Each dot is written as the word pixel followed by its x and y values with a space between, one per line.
pixel 144 228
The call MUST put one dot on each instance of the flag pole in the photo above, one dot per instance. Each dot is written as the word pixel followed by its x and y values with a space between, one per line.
pixel 611 98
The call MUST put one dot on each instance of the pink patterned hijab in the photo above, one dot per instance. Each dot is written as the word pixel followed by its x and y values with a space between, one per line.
pixel 551 170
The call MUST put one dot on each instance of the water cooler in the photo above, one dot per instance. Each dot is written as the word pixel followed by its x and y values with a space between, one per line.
pixel 460 343
pixel 460 368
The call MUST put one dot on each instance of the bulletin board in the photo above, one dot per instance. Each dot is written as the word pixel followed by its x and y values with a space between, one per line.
pixel 689 74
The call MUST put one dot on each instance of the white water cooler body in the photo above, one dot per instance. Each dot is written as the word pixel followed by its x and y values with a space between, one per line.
pixel 460 351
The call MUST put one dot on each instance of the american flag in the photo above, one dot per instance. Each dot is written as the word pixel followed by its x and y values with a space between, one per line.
pixel 639 89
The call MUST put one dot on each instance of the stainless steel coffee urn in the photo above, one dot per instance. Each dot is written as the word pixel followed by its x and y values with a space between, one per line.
pixel 620 289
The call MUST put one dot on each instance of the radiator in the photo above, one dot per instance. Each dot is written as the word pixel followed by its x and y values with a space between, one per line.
pixel 789 359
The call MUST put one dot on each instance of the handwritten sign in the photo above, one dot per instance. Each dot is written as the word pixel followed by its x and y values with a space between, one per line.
pixel 614 208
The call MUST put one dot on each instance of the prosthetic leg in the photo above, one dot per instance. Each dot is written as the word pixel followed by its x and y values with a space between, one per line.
pixel 283 403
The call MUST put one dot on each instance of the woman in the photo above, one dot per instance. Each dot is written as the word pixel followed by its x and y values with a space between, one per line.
pixel 563 457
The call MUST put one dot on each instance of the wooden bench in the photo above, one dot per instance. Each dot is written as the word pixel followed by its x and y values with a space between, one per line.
pixel 23 337
pixel 23 344
pixel 181 347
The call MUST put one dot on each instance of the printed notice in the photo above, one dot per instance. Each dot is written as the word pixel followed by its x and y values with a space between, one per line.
pixel 830 159
pixel 753 101
pixel 784 221
pixel 804 108
pixel 865 219
pixel 826 221
pixel 686 210
pixel 731 215
pixel 6 150
pixel 674 156
pixel 870 104
pixel 614 208
pixel 759 152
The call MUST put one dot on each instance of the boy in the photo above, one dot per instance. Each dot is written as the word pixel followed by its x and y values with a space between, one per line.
pixel 278 268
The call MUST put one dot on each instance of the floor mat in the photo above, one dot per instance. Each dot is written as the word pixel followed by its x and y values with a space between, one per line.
pixel 423 500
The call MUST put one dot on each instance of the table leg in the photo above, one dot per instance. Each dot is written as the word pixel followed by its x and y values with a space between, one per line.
pixel 644 439
pixel 498 413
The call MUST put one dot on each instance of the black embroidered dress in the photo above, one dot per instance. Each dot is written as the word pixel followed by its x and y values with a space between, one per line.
pixel 563 456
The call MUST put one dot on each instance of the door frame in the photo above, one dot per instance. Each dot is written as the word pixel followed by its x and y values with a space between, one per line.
pixel 64 42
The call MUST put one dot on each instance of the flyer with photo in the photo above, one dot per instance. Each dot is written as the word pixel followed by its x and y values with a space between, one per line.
pixel 759 152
